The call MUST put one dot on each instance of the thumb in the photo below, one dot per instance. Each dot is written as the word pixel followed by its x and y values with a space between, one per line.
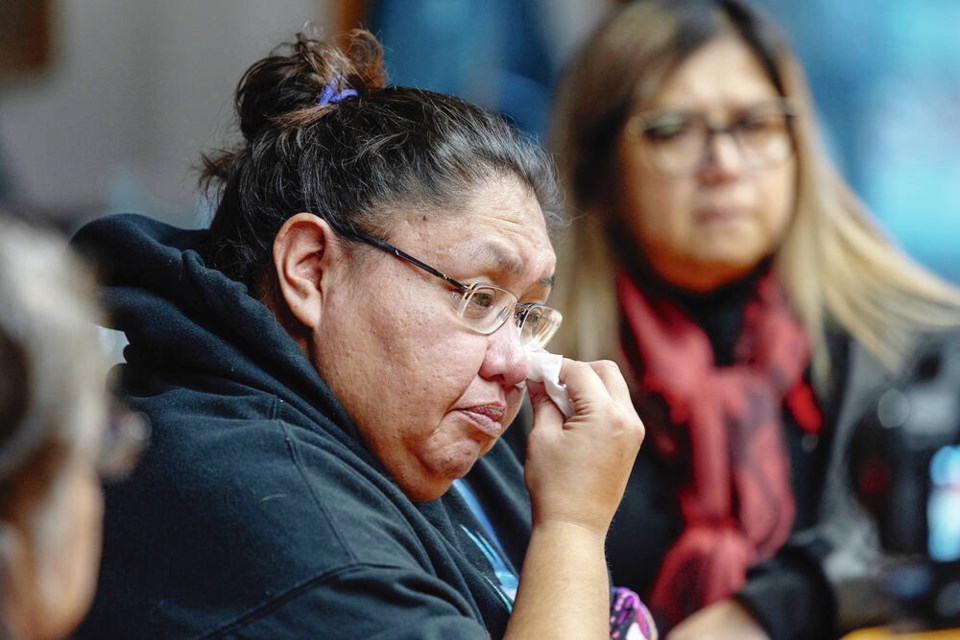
pixel 543 406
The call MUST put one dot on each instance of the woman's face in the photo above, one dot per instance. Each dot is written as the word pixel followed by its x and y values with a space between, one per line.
pixel 715 224
pixel 429 395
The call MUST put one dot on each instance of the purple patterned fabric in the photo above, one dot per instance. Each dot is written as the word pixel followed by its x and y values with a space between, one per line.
pixel 629 617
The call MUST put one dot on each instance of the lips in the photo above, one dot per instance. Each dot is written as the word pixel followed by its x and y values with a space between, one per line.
pixel 487 418
pixel 710 215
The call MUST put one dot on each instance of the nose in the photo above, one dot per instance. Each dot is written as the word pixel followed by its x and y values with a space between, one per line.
pixel 723 155
pixel 506 357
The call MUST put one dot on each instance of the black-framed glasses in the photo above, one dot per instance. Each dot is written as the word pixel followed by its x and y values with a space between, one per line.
pixel 678 143
pixel 485 307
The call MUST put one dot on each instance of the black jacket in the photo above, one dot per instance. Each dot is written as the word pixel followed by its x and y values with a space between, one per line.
pixel 257 512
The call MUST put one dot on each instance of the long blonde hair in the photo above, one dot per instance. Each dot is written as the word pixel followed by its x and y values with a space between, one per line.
pixel 835 264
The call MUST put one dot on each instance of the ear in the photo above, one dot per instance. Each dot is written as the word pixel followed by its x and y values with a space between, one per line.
pixel 302 259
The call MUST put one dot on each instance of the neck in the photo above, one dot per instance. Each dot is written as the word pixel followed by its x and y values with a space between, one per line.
pixel 718 312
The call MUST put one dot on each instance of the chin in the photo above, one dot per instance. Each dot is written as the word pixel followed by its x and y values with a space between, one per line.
pixel 427 494
pixel 432 485
pixel 731 258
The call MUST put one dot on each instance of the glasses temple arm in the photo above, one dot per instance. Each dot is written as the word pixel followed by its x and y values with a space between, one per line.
pixel 403 255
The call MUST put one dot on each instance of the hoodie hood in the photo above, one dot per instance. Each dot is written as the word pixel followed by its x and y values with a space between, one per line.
pixel 191 321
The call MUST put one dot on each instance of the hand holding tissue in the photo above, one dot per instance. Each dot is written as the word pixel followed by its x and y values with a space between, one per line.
pixel 545 367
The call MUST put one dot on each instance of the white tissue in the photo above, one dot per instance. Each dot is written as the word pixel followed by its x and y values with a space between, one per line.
pixel 545 367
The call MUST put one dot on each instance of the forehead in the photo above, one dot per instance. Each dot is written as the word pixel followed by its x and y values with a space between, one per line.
pixel 724 72
pixel 498 228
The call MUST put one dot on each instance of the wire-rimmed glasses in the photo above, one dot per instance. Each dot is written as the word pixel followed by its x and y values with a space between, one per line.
pixel 678 143
pixel 484 307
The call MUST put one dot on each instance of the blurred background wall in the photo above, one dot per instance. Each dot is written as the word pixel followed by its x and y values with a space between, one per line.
pixel 120 97
pixel 886 79
pixel 132 92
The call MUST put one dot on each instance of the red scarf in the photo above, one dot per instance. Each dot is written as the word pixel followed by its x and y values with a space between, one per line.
pixel 727 429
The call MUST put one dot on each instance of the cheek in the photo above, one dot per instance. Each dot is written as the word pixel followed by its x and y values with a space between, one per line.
pixel 87 533
pixel 655 211
pixel 778 201
pixel 411 429
pixel 71 548
pixel 417 365
pixel 434 366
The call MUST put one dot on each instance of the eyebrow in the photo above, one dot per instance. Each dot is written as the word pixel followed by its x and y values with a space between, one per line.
pixel 508 262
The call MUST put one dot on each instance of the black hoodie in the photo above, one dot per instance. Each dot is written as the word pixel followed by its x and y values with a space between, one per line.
pixel 257 512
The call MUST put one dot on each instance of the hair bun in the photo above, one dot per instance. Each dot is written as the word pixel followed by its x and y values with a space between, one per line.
pixel 298 74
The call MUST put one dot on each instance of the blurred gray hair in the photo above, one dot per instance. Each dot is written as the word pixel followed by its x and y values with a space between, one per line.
pixel 52 369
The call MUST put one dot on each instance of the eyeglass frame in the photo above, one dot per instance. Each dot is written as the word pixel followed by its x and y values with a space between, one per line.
pixel 465 290
pixel 786 109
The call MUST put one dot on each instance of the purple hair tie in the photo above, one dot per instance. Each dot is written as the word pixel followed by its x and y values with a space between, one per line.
pixel 331 95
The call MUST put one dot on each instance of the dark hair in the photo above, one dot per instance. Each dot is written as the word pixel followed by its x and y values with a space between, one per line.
pixel 624 64
pixel 348 161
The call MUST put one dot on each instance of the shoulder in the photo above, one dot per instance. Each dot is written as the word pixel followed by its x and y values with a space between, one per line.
pixel 270 474
pixel 361 602
pixel 234 513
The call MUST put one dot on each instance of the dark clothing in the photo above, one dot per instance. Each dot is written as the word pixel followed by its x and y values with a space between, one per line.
pixel 652 500
pixel 257 512
pixel 825 580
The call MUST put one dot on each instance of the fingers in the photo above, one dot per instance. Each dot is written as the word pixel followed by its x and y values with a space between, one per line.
pixel 576 470
pixel 543 407
pixel 613 380
pixel 593 382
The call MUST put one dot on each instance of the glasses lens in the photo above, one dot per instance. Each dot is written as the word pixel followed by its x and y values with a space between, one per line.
pixel 484 308
pixel 764 137
pixel 538 324
pixel 675 141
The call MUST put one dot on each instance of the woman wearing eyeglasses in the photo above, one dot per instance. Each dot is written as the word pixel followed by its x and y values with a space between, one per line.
pixel 348 338
pixel 753 306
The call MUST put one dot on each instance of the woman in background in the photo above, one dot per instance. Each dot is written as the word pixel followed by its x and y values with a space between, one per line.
pixel 754 305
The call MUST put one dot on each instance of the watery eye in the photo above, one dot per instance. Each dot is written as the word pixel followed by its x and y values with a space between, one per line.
pixel 482 302
pixel 483 299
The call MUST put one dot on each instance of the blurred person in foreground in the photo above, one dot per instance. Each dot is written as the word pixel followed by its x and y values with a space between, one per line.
pixel 348 338
pixel 53 411
pixel 754 307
